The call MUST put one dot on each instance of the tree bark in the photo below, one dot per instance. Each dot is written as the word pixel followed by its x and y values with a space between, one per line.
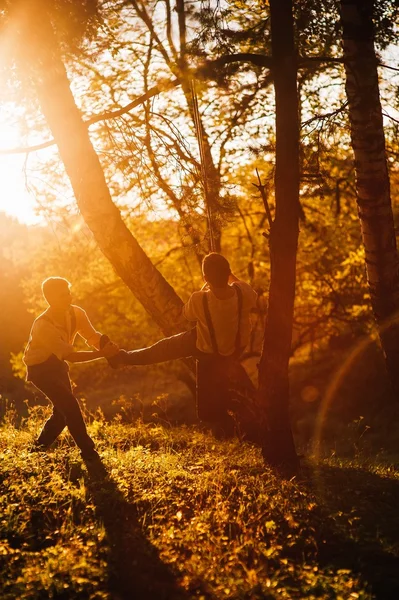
pixel 372 179
pixel 279 449
pixel 40 53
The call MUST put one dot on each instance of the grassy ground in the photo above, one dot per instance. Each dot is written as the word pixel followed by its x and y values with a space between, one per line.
pixel 177 514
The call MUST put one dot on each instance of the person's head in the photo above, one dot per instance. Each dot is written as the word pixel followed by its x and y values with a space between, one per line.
pixel 57 292
pixel 216 270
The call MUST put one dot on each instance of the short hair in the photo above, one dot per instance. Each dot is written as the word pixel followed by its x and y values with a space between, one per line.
pixel 52 286
pixel 216 269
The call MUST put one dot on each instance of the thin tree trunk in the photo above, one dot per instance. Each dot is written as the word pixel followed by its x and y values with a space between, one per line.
pixel 40 52
pixel 178 66
pixel 211 172
pixel 279 447
pixel 213 181
pixel 372 179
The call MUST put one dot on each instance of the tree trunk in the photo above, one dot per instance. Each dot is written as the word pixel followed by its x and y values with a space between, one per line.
pixel 40 52
pixel 211 172
pixel 372 179
pixel 279 449
pixel 213 182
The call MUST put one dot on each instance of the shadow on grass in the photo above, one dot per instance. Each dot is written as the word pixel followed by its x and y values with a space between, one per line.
pixel 135 568
pixel 359 525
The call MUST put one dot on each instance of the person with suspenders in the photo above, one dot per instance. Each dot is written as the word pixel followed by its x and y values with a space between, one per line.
pixel 221 310
pixel 50 346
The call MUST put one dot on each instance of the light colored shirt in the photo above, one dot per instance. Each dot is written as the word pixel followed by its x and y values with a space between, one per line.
pixel 47 337
pixel 224 316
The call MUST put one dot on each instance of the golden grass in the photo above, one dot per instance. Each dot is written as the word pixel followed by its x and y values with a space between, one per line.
pixel 178 514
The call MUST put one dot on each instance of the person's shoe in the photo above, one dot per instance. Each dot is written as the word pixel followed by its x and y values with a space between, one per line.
pixel 94 464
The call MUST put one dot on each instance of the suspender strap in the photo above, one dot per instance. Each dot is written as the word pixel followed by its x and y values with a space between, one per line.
pixel 73 320
pixel 45 318
pixel 238 335
pixel 72 317
pixel 211 329
pixel 210 324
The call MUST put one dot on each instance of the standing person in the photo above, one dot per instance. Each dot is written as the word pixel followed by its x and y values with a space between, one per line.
pixel 221 311
pixel 50 346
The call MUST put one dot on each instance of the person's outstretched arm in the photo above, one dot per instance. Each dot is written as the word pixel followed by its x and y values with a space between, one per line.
pixel 85 328
pixel 84 356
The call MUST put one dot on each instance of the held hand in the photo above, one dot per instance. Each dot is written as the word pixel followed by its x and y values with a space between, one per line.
pixel 110 349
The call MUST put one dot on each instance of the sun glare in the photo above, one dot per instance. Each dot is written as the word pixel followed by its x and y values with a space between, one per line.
pixel 15 200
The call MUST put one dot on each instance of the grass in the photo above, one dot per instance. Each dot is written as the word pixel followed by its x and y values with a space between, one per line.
pixel 178 514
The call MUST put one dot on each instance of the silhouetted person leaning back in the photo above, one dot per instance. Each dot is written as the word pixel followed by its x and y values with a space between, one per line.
pixel 50 346
pixel 221 310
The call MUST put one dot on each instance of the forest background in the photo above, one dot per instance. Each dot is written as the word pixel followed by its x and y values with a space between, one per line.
pixel 97 98
pixel 116 54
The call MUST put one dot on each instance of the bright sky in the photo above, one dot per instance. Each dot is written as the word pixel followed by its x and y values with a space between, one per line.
pixel 15 200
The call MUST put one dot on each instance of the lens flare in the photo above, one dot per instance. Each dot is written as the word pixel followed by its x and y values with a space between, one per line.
pixel 339 378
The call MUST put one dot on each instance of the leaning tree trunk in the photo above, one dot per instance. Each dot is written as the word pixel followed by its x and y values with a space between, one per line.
pixel 279 447
pixel 372 179
pixel 39 53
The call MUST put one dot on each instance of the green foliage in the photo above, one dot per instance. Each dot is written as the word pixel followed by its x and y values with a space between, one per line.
pixel 181 513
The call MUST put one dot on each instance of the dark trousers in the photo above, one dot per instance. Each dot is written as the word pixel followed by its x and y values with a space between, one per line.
pixel 52 378
pixel 224 390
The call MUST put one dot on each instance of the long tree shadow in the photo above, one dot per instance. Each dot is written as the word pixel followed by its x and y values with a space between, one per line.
pixel 359 525
pixel 136 571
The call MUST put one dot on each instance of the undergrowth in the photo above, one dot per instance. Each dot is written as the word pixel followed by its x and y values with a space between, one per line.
pixel 178 514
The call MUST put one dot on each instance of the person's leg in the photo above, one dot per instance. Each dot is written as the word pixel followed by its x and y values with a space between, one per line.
pixel 225 400
pixel 58 389
pixel 171 348
pixel 55 424
pixel 242 402
pixel 76 425
pixel 51 429
pixel 212 397
pixel 240 378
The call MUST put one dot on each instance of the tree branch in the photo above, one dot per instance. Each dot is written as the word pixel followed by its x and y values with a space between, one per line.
pixel 162 86
pixel 260 60
pixel 325 116
pixel 305 61
pixel 27 149
pixel 384 112
pixel 203 71
pixel 380 64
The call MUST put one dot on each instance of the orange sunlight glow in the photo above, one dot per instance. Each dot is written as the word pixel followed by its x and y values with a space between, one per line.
pixel 15 200
pixel 338 380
